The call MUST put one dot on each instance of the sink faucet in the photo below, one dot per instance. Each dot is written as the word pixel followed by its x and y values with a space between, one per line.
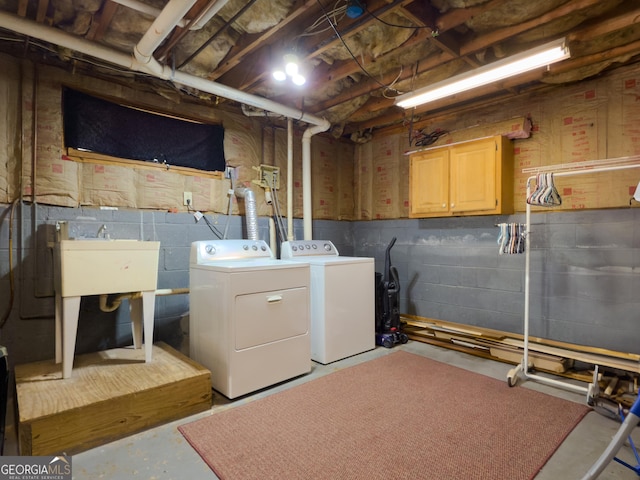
pixel 102 231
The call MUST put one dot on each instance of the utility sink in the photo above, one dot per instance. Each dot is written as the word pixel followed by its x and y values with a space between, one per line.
pixel 100 266
pixel 96 266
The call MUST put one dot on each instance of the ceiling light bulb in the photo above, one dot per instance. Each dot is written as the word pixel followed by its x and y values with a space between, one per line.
pixel 291 67
pixel 290 64
pixel 279 75
pixel 298 79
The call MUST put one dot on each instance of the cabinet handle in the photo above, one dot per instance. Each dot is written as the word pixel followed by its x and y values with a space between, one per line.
pixel 274 298
pixel 444 205
pixel 453 205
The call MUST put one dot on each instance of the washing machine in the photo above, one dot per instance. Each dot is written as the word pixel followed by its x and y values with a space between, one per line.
pixel 342 299
pixel 249 318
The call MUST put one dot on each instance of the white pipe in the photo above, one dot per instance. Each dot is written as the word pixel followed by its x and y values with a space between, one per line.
pixel 290 235
pixel 171 291
pixel 142 8
pixel 306 176
pixel 49 34
pixel 272 235
pixel 161 27
pixel 144 62
pixel 213 8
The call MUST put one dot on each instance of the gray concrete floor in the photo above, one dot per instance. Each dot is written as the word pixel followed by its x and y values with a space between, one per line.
pixel 163 453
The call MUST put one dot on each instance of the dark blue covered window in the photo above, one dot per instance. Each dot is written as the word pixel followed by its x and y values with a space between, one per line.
pixel 100 126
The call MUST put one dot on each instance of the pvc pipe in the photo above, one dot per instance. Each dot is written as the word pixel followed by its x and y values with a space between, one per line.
pixel 142 8
pixel 42 32
pixel 115 303
pixel 290 235
pixel 171 291
pixel 144 62
pixel 272 235
pixel 162 26
pixel 213 8
pixel 306 176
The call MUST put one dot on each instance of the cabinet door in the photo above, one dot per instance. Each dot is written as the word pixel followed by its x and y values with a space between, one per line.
pixel 429 182
pixel 473 176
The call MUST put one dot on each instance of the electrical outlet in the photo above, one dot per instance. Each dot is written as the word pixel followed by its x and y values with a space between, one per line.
pixel 187 198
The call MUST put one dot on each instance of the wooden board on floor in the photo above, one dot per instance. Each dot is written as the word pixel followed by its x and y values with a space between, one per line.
pixel 110 395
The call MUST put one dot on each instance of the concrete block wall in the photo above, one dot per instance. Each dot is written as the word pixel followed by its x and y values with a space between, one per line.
pixel 584 275
pixel 28 332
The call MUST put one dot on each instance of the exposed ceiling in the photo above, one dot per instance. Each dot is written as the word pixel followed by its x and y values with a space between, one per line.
pixel 355 66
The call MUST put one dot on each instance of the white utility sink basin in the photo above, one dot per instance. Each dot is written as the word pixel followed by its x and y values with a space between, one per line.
pixel 100 266
pixel 95 266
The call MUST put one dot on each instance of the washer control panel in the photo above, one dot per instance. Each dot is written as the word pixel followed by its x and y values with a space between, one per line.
pixel 212 250
pixel 307 248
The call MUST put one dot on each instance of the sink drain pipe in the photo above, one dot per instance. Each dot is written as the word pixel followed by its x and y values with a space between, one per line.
pixel 117 301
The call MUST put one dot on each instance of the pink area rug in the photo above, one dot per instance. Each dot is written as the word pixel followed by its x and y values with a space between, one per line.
pixel 400 416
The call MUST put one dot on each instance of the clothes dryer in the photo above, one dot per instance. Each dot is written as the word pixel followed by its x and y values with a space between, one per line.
pixel 342 299
pixel 249 315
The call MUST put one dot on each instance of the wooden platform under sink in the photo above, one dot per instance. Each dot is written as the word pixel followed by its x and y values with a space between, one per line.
pixel 110 395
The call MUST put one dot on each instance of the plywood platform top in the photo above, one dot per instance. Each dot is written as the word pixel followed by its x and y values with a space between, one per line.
pixel 98 377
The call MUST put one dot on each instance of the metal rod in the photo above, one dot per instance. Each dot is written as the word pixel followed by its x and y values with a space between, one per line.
pixel 610 166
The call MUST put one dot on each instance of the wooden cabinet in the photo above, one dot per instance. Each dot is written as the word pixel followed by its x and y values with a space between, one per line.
pixel 467 178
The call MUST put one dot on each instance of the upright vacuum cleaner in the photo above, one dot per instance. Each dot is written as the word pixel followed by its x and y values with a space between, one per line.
pixel 388 327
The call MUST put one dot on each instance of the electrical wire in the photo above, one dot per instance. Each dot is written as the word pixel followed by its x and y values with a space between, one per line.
pixel 68 53
pixel 278 214
pixel 5 317
pixel 335 30
pixel 212 227
pixel 434 31
pixel 338 13
pixel 215 231
pixel 230 208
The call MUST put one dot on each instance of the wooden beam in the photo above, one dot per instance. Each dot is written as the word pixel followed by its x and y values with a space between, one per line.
pixel 458 16
pixel 22 8
pixel 41 14
pixel 619 22
pixel 252 42
pixel 497 36
pixel 102 20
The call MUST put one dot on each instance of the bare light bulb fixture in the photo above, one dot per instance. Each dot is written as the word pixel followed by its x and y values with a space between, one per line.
pixel 290 70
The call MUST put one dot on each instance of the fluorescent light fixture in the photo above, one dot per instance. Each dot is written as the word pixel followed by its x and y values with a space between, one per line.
pixel 523 62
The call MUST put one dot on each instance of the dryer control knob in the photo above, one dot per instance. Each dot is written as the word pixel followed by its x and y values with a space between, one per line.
pixel 210 249
pixel 327 247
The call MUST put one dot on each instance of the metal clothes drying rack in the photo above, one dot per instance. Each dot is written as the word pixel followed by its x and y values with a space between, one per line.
pixel 623 433
pixel 561 170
